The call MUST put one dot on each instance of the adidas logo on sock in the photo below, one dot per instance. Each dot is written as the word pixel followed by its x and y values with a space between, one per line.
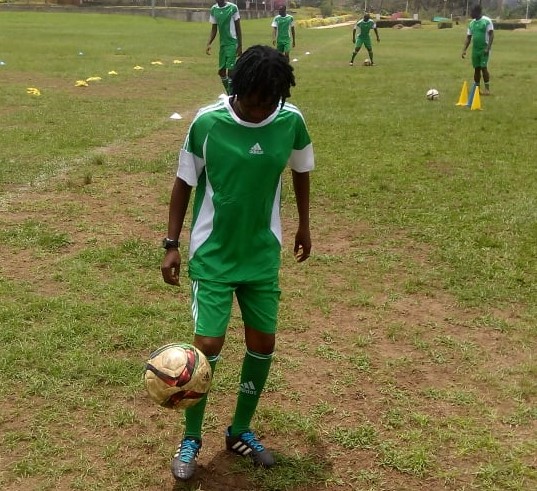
pixel 256 150
pixel 248 388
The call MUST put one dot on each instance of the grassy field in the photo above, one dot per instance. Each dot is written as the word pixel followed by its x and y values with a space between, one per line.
pixel 406 351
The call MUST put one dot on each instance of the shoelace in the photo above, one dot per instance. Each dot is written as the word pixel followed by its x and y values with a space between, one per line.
pixel 252 441
pixel 189 449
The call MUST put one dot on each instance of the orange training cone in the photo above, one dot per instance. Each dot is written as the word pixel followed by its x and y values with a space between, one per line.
pixel 476 101
pixel 463 98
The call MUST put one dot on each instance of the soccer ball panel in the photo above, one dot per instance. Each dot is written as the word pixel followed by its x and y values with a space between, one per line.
pixel 177 376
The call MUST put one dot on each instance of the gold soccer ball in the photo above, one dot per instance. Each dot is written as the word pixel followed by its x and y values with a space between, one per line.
pixel 177 376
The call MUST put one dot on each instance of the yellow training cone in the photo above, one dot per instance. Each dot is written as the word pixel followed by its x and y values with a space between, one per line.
pixel 463 98
pixel 476 101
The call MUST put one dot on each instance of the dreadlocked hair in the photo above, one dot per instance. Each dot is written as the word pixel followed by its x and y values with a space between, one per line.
pixel 264 71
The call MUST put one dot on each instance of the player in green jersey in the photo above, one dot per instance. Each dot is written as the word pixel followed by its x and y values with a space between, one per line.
pixel 235 153
pixel 225 19
pixel 283 29
pixel 481 34
pixel 364 26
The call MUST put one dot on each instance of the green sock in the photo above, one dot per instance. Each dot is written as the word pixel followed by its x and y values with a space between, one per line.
pixel 194 414
pixel 254 374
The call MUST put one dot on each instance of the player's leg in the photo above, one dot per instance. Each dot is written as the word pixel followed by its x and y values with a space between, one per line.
pixel 369 47
pixel 259 307
pixel 286 50
pixel 226 62
pixel 476 63
pixel 486 74
pixel 211 310
pixel 357 47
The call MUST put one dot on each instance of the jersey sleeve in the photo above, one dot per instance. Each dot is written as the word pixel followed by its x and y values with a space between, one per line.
pixel 274 23
pixel 302 157
pixel 191 161
pixel 236 14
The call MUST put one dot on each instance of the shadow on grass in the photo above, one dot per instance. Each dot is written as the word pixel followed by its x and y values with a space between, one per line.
pixel 293 472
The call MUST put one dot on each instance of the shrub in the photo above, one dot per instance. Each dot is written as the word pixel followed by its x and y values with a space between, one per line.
pixel 326 8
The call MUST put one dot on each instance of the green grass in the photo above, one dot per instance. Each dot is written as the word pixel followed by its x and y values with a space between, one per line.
pixel 406 349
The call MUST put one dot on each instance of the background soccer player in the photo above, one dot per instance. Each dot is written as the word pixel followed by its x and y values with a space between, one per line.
pixel 235 153
pixel 481 34
pixel 364 26
pixel 283 29
pixel 225 19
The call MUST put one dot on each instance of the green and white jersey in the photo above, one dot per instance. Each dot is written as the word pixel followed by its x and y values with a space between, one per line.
pixel 364 26
pixel 225 17
pixel 236 167
pixel 283 25
pixel 480 29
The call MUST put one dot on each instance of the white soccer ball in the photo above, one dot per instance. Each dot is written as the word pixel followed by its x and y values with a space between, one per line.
pixel 432 94
pixel 367 62
pixel 177 376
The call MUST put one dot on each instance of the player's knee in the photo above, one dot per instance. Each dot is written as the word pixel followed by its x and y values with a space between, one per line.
pixel 209 346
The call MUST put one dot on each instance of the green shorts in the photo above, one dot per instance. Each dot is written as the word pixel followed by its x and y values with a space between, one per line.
pixel 283 47
pixel 480 59
pixel 365 41
pixel 227 57
pixel 212 303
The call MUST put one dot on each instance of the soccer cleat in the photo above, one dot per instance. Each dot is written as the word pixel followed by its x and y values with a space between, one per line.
pixel 247 445
pixel 184 461
pixel 351 63
pixel 484 92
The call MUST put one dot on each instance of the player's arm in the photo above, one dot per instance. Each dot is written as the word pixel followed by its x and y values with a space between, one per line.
pixel 238 30
pixel 466 44
pixel 171 264
pixel 491 39
pixel 212 35
pixel 274 34
pixel 293 35
pixel 301 185
pixel 377 34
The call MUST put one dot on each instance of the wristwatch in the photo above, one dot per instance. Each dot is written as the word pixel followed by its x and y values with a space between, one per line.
pixel 170 244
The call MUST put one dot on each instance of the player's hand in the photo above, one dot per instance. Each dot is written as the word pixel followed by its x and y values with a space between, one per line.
pixel 170 267
pixel 302 247
pixel 463 55
pixel 378 40
pixel 273 42
pixel 208 49
pixel 239 51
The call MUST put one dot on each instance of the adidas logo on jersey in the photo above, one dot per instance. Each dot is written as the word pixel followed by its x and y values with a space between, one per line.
pixel 256 150
pixel 248 388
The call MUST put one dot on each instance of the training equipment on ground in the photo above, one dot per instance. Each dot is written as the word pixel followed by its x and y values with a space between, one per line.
pixel 177 375
pixel 367 62
pixel 432 94
pixel 474 100
pixel 463 97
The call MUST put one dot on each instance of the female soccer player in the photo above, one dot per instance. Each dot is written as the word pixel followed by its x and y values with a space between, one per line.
pixel 234 155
